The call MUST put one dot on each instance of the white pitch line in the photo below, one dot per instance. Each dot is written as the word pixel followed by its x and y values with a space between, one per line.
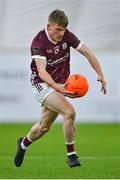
pixel 53 157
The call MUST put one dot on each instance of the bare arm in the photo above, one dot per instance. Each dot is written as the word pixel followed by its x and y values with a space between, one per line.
pixel 95 64
pixel 45 76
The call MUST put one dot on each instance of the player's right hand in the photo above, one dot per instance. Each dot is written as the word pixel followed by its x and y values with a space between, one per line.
pixel 61 89
pixel 70 94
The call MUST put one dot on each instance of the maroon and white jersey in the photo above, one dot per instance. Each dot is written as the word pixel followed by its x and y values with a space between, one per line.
pixel 57 55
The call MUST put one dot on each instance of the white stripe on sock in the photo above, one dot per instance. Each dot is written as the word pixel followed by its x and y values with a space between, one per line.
pixel 69 143
pixel 70 153
pixel 23 146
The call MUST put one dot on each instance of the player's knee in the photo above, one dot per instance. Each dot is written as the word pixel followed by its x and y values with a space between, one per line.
pixel 70 113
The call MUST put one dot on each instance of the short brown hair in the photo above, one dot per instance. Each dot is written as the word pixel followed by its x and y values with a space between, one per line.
pixel 59 17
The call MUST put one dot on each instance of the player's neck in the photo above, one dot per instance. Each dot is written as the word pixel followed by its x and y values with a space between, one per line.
pixel 48 36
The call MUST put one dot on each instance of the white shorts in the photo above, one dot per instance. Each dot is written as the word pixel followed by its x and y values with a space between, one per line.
pixel 41 91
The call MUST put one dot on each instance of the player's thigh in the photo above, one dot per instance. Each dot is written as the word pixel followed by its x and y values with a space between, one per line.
pixel 48 116
pixel 58 103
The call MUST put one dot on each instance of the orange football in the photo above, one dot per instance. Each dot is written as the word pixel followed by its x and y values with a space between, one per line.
pixel 78 84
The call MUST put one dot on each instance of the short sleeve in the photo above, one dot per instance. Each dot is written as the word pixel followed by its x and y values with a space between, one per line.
pixel 37 50
pixel 73 40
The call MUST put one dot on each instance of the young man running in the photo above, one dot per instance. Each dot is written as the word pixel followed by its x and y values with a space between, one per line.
pixel 50 51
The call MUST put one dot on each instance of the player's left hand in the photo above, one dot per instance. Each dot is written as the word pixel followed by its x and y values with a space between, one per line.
pixel 103 82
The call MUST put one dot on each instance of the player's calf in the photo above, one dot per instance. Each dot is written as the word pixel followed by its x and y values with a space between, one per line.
pixel 38 130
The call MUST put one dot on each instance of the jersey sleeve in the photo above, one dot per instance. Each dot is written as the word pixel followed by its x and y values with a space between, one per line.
pixel 73 40
pixel 37 50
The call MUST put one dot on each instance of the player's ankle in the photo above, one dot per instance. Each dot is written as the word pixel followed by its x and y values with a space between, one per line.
pixel 25 143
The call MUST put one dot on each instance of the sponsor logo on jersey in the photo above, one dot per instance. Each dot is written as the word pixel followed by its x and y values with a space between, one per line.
pixel 58 61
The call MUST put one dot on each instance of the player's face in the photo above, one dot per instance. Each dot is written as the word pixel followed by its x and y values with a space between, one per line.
pixel 56 32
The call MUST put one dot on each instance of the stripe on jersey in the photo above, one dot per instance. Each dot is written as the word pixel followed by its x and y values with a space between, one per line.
pixel 38 57
pixel 79 46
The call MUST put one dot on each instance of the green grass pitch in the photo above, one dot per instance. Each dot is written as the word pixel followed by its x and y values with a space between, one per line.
pixel 97 145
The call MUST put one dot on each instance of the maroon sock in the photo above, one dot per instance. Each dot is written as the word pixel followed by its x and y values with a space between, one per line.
pixel 26 142
pixel 70 149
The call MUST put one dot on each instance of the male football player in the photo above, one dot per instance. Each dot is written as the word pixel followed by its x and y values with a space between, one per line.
pixel 50 51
